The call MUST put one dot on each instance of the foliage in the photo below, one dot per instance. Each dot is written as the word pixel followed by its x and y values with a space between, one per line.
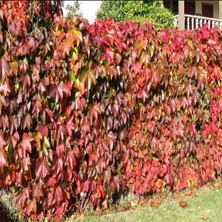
pixel 137 11
pixel 73 9
pixel 90 111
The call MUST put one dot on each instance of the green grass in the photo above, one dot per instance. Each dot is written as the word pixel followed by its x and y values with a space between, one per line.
pixel 204 205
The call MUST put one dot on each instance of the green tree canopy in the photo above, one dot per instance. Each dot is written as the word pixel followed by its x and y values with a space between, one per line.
pixel 137 11
pixel 73 9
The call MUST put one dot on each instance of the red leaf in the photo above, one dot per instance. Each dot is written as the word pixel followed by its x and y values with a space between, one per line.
pixel 137 67
pixel 94 113
pixel 3 160
pixel 26 143
pixel 109 123
pixel 37 191
pixel 52 182
pixel 27 122
pixel 58 195
pixel 144 95
pixel 58 167
pixel 189 89
pixel 31 206
pixel 109 55
pixel 88 78
pixel 70 159
pixel 37 106
pixel 50 200
pixel 111 139
pixel 22 198
pixel 26 162
pixel 67 45
pixel 15 138
pixel 42 168
pixel 4 69
pixel 2 141
pixel 70 126
pixel 60 150
pixel 43 129
pixel 56 92
pixel 155 78
pixel 26 81
pixel 183 204
pixel 80 103
pixel 85 186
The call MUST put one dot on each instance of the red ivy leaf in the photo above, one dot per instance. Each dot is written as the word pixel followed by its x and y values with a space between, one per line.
pixel 27 123
pixel 88 79
pixel 155 78
pixel 50 200
pixel 26 143
pixel 70 126
pixel 37 191
pixel 22 198
pixel 94 113
pixel 37 106
pixel 52 182
pixel 137 67
pixel 109 123
pixel 67 45
pixel 60 150
pixel 80 103
pixel 109 55
pixel 26 162
pixel 15 138
pixel 56 92
pixel 31 206
pixel 111 139
pixel 42 168
pixel 43 129
pixel 4 69
pixel 26 81
pixel 85 186
pixel 58 167
pixel 70 159
pixel 58 195
pixel 3 160
pixel 2 141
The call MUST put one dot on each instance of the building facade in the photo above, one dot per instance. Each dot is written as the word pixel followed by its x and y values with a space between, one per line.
pixel 195 10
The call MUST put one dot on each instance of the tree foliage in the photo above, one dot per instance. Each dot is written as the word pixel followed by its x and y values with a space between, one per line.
pixel 137 11
pixel 73 9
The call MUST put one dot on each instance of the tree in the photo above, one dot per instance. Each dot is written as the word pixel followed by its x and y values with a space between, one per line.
pixel 73 9
pixel 137 11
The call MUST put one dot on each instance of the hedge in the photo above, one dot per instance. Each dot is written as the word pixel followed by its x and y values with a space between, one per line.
pixel 91 111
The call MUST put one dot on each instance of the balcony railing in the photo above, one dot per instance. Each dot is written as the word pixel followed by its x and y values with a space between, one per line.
pixel 195 21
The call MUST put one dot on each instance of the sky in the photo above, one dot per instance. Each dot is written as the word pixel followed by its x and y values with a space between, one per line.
pixel 88 8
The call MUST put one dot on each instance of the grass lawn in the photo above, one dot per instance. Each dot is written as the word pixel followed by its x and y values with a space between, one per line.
pixel 204 204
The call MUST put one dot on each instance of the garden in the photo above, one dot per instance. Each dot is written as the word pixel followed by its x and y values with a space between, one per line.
pixel 93 113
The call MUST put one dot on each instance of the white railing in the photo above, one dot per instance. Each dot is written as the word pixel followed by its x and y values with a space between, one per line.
pixel 195 21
